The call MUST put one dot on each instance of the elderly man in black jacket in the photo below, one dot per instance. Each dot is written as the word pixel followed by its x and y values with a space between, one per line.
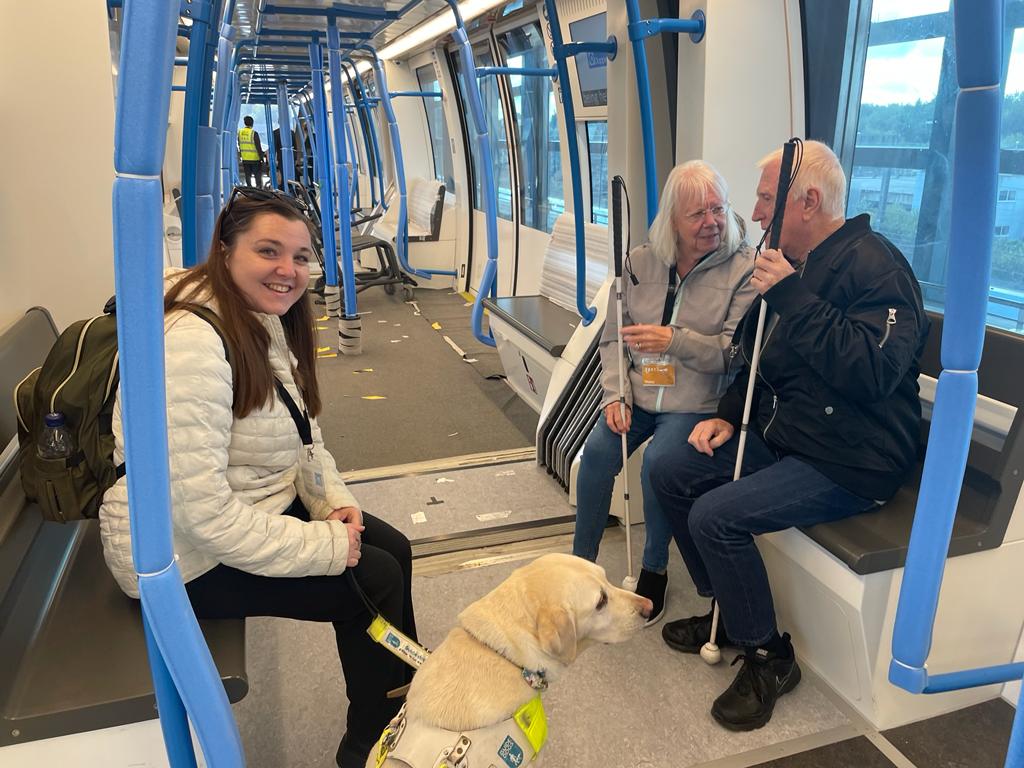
pixel 834 423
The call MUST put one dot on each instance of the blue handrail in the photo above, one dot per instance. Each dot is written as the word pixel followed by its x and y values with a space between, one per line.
pixel 184 676
pixel 423 94
pixel 271 153
pixel 222 99
pixel 978 36
pixel 489 280
pixel 527 71
pixel 287 146
pixel 364 102
pixel 341 169
pixel 402 236
pixel 191 253
pixel 587 314
pixel 313 139
pixel 323 147
pixel 364 123
pixel 640 30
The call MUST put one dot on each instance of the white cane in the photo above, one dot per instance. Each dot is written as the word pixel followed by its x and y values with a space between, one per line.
pixel 710 651
pixel 630 581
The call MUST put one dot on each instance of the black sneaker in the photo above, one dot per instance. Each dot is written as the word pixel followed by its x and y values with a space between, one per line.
pixel 690 635
pixel 653 586
pixel 749 702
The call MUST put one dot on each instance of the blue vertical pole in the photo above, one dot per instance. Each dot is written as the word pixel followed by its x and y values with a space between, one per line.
pixel 271 154
pixel 302 144
pixel 236 110
pixel 323 146
pixel 587 314
pixel 222 100
pixel 341 168
pixel 312 137
pixel 183 670
pixel 402 236
pixel 371 127
pixel 355 161
pixel 489 280
pixel 365 126
pixel 287 146
pixel 646 119
pixel 194 97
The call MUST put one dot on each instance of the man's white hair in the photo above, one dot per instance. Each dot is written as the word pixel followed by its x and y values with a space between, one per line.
pixel 820 169
pixel 691 182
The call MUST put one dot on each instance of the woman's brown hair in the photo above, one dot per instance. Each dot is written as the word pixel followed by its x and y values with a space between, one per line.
pixel 248 341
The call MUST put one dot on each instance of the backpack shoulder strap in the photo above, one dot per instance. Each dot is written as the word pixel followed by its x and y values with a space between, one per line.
pixel 214 320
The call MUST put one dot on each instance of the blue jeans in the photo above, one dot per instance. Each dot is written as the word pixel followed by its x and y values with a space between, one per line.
pixel 714 522
pixel 602 460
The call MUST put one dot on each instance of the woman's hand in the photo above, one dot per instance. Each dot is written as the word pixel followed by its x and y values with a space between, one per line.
pixel 613 416
pixel 353 520
pixel 647 338
pixel 347 515
pixel 710 434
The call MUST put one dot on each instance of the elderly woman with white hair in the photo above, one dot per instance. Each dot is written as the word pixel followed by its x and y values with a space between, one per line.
pixel 684 293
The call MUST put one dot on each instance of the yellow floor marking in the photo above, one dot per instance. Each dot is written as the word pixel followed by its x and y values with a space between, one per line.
pixel 374 397
pixel 436 326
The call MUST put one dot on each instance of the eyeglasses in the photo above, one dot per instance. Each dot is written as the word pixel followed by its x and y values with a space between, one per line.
pixel 715 211
pixel 255 193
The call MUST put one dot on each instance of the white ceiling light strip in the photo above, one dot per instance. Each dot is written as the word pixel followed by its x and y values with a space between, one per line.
pixel 436 26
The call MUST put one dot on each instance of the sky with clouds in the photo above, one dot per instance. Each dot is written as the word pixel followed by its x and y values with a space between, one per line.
pixel 902 73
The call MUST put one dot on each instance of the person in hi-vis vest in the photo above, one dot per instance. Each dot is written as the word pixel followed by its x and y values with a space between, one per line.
pixel 251 153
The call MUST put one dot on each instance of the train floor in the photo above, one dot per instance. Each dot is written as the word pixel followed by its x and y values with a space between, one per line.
pixel 410 396
pixel 638 705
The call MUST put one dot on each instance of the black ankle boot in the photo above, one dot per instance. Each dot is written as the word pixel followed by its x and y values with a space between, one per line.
pixel 690 635
pixel 765 675
pixel 653 586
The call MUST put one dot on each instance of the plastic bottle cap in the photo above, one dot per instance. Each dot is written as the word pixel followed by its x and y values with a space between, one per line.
pixel 54 419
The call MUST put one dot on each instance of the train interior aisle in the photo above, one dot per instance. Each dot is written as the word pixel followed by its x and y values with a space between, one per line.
pixel 455 160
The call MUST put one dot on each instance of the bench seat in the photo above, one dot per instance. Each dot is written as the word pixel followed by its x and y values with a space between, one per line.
pixel 547 324
pixel 72 643
pixel 877 541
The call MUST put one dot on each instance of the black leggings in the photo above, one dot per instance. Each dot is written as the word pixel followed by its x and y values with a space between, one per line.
pixel 384 573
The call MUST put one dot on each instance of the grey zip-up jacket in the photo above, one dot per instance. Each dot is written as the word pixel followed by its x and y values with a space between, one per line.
pixel 710 301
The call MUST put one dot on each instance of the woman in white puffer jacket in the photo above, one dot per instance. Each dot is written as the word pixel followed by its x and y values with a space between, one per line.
pixel 263 524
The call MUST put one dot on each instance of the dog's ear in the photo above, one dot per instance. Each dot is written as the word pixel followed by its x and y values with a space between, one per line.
pixel 556 633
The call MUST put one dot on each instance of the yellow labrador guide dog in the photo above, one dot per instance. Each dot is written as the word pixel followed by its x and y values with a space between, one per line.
pixel 475 702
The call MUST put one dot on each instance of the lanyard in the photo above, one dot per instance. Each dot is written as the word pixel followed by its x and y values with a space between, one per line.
pixel 670 296
pixel 301 419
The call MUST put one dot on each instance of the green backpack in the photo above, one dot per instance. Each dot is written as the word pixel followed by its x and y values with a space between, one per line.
pixel 79 379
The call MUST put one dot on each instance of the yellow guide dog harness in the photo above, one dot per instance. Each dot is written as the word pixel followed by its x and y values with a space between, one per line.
pixel 509 743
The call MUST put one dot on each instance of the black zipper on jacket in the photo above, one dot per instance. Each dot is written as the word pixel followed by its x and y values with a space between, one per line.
pixel 890 321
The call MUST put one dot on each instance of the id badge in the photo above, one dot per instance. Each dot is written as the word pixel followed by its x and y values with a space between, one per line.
pixel 312 472
pixel 658 371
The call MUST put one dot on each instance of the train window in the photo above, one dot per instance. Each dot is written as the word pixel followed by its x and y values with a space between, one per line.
pixel 536 115
pixel 597 152
pixel 496 130
pixel 901 160
pixel 439 145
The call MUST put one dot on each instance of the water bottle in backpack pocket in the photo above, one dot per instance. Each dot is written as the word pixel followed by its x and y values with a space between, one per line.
pixel 66 467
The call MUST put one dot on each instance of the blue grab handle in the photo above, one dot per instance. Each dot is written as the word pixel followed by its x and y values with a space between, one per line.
pixel 324 164
pixel 978 39
pixel 587 314
pixel 341 169
pixel 489 281
pixel 182 668
pixel 402 236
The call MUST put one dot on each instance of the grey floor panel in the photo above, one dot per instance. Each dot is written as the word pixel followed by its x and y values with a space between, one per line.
pixel 639 705
pixel 434 404
pixel 443 503
pixel 852 753
pixel 974 737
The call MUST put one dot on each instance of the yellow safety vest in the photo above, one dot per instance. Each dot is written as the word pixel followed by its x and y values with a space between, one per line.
pixel 246 145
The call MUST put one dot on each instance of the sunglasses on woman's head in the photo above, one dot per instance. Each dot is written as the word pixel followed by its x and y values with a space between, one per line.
pixel 257 194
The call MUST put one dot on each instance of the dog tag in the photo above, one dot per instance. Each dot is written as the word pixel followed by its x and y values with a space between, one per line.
pixel 658 371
